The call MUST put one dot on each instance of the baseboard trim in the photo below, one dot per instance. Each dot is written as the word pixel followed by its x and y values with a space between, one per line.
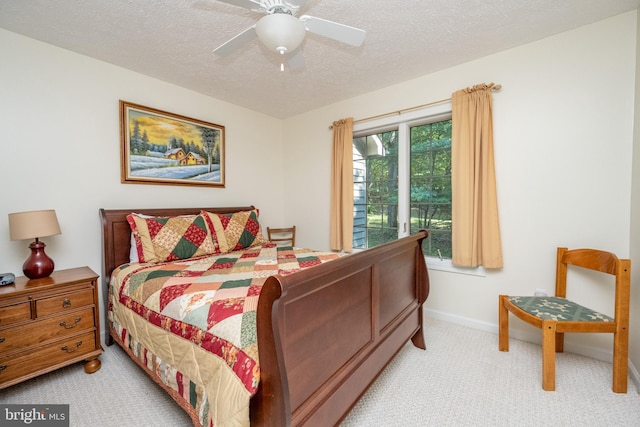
pixel 592 352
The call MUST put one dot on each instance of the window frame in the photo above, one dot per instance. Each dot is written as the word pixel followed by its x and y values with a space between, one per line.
pixel 403 121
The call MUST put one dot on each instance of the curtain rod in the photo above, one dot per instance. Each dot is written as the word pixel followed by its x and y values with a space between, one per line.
pixel 494 88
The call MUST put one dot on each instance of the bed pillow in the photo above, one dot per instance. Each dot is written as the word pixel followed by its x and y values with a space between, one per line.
pixel 133 251
pixel 235 231
pixel 160 239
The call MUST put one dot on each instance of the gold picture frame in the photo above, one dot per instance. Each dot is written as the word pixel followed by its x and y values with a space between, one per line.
pixel 158 147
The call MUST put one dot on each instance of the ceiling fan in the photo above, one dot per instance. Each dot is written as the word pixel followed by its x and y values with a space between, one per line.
pixel 281 31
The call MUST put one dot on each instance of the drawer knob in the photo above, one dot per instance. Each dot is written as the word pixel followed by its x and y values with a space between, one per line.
pixel 64 324
pixel 1 339
pixel 71 350
pixel 66 303
pixel 3 367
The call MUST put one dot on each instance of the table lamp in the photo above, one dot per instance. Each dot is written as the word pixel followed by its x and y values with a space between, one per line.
pixel 30 225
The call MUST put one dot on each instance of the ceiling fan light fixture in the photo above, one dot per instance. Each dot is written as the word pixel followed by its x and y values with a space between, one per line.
pixel 280 32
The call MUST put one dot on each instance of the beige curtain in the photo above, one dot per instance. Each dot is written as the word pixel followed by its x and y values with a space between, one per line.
pixel 476 232
pixel 342 186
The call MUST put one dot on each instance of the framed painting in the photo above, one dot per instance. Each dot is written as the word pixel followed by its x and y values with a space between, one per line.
pixel 158 147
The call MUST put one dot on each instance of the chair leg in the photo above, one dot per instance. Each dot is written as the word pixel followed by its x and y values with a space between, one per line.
pixel 549 355
pixel 559 342
pixel 503 324
pixel 620 360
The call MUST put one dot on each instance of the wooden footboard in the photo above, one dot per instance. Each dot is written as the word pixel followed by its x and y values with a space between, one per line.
pixel 326 333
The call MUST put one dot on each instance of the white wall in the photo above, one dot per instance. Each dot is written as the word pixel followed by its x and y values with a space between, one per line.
pixel 634 343
pixel 61 148
pixel 563 143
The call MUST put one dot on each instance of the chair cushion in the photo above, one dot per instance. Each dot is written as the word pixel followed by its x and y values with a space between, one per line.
pixel 560 309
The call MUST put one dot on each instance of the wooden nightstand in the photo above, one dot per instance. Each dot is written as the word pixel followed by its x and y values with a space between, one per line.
pixel 49 323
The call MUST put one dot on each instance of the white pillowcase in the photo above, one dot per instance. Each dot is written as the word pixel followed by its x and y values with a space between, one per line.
pixel 133 252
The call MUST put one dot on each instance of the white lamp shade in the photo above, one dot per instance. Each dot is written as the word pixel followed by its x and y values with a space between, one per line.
pixel 280 32
pixel 33 224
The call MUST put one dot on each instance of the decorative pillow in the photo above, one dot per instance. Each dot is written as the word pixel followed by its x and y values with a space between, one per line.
pixel 235 231
pixel 160 239
pixel 133 251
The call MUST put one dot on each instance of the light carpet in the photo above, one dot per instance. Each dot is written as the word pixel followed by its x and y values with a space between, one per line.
pixel 460 380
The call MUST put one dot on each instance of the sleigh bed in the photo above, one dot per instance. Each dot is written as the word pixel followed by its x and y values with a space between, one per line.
pixel 325 326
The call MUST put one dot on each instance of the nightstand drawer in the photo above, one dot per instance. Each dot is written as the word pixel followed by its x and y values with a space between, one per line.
pixel 56 327
pixel 31 362
pixel 14 313
pixel 61 303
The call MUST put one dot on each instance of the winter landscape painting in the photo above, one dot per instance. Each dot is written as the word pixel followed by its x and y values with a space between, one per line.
pixel 158 147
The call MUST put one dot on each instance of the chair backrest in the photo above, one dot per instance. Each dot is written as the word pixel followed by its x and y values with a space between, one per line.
pixel 602 261
pixel 282 236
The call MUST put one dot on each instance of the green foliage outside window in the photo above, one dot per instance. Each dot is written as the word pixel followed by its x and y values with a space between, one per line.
pixel 376 187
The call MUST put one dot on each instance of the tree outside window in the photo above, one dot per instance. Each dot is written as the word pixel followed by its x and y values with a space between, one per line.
pixel 377 173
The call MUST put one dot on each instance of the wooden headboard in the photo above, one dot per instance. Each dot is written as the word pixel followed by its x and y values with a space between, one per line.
pixel 116 233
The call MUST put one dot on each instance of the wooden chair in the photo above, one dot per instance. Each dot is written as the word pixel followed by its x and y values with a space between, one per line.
pixel 558 315
pixel 282 236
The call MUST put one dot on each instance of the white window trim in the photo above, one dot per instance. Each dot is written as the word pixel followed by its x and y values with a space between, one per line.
pixel 446 265
pixel 403 121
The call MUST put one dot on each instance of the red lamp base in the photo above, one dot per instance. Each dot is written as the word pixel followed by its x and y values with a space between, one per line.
pixel 38 265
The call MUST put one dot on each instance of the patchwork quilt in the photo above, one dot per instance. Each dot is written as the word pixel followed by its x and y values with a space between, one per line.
pixel 197 320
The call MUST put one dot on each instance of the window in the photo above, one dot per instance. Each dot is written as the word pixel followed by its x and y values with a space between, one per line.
pixel 430 185
pixel 382 174
pixel 375 181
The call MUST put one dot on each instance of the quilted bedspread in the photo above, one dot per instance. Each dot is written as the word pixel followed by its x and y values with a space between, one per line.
pixel 198 317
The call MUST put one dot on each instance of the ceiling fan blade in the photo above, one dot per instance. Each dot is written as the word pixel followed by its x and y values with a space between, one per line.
pixel 296 3
pixel 247 4
pixel 237 42
pixel 339 32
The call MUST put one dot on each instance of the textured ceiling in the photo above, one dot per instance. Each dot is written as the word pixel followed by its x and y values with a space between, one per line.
pixel 172 40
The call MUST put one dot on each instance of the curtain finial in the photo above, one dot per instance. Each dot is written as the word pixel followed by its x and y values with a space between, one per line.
pixel 483 86
pixel 341 122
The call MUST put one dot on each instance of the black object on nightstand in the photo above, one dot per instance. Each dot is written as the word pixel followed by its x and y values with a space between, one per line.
pixel 7 279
